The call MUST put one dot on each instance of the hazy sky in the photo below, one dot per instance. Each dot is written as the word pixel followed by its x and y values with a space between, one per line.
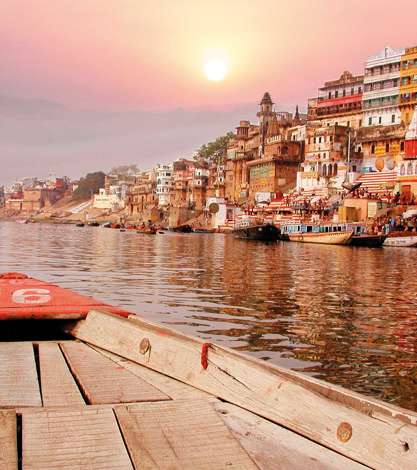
pixel 105 61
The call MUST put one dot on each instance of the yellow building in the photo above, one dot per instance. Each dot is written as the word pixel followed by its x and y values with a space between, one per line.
pixel 408 84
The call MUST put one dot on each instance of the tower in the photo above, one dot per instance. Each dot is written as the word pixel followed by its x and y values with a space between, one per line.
pixel 265 115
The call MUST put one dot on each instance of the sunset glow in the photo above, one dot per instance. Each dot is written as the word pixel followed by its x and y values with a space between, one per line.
pixel 215 69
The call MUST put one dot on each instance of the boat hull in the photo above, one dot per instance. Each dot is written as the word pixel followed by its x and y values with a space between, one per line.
pixel 401 241
pixel 331 238
pixel 371 241
pixel 267 233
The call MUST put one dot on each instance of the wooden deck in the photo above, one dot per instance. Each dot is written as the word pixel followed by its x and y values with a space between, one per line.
pixel 68 405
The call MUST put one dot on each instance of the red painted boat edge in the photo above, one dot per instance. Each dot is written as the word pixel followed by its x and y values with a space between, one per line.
pixel 26 298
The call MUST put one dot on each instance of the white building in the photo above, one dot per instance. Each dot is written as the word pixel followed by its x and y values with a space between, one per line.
pixel 109 200
pixel 382 88
pixel 164 183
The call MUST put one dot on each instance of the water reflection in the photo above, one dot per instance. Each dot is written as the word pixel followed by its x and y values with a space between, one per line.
pixel 346 315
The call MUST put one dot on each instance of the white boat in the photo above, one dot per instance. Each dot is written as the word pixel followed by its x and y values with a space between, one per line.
pixel 402 239
pixel 328 234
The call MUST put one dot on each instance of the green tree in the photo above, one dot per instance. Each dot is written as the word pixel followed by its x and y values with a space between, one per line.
pixel 89 185
pixel 209 152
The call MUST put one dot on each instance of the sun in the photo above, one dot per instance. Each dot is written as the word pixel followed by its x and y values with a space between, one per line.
pixel 215 68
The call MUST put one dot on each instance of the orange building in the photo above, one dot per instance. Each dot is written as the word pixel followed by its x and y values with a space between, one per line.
pixel 408 84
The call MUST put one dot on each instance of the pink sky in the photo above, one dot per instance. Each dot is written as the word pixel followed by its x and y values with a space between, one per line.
pixel 129 54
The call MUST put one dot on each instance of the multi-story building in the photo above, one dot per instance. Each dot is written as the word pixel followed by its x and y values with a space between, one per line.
pixel 339 102
pixel 216 178
pixel 254 143
pixel 164 184
pixel 199 186
pixel 407 170
pixel 142 197
pixel 382 147
pixel 381 96
pixel 243 148
pixel 183 172
pixel 408 84
pixel 276 170
pixel 330 159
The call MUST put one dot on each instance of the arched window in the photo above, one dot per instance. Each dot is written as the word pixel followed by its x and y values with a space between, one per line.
pixel 334 169
pixel 402 170
pixel 324 170
pixel 409 169
pixel 415 170
pixel 387 147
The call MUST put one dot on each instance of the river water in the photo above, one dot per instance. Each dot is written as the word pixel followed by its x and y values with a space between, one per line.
pixel 343 314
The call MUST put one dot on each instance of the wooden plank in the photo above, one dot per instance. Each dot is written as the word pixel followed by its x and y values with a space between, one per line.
pixel 81 439
pixel 58 385
pixel 273 447
pixel 172 387
pixel 18 376
pixel 364 430
pixel 180 435
pixel 104 381
pixel 8 440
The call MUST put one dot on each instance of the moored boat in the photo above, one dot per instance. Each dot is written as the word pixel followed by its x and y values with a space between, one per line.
pixel 328 234
pixel 251 227
pixel 401 239
pixel 185 228
pixel 261 232
pixel 147 231
pixel 361 237
pixel 104 383
pixel 368 240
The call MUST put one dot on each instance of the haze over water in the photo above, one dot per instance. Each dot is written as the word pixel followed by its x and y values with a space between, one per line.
pixel 346 315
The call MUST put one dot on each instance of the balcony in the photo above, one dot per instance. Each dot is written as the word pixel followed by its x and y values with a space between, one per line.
pixel 341 100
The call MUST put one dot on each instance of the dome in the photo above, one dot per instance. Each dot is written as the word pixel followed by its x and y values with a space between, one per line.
pixel 266 99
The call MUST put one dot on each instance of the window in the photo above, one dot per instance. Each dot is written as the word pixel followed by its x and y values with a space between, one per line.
pixel 409 169
pixel 393 118
pixel 370 121
pixel 360 89
pixel 348 123
pixel 380 120
pixel 352 91
pixel 402 146
pixel 336 93
pixel 344 92
pixel 387 147
pixel 330 94
pixel 372 149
